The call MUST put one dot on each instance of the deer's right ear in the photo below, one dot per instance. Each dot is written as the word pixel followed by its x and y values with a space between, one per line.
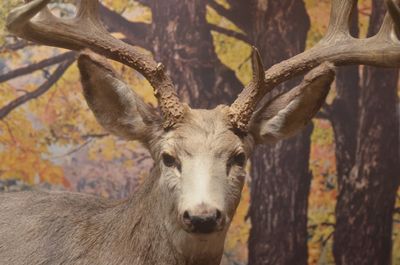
pixel 286 114
pixel 116 107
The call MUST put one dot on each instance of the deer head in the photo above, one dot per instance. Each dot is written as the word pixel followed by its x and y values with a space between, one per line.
pixel 201 154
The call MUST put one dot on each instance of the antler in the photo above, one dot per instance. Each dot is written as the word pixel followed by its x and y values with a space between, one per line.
pixel 337 47
pixel 34 21
pixel 242 109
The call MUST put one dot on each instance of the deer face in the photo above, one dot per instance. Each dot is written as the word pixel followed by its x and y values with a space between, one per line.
pixel 202 155
pixel 203 164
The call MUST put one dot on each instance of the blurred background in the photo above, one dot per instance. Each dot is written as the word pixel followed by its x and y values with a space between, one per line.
pixel 329 193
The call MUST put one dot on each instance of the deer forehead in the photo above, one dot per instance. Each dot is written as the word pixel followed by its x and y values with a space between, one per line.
pixel 203 132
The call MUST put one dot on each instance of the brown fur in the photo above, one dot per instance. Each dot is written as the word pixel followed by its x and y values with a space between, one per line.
pixel 49 228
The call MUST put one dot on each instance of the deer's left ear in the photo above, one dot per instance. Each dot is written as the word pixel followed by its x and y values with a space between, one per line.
pixel 115 105
pixel 288 113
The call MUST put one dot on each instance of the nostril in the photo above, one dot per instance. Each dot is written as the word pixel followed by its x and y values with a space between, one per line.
pixel 186 216
pixel 218 215
pixel 203 220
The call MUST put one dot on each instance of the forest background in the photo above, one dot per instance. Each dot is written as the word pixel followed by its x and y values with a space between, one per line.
pixel 330 193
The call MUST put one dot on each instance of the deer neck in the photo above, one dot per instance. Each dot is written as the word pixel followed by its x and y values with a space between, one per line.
pixel 154 233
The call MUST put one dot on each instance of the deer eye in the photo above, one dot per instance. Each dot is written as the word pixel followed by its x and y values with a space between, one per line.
pixel 239 159
pixel 170 161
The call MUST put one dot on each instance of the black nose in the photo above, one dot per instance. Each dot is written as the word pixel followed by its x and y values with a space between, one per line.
pixel 204 222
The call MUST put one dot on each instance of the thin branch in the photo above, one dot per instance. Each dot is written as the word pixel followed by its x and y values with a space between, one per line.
pixel 37 66
pixel 143 2
pixel 221 10
pixel 230 33
pixel 314 226
pixel 322 116
pixel 94 135
pixel 327 239
pixel 74 150
pixel 4 111
pixel 135 32
pixel 10 131
pixel 325 113
pixel 88 137
pixel 328 224
pixel 248 58
pixel 20 44
pixel 327 108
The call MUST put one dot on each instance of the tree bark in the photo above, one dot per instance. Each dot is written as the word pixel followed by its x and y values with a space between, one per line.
pixel 136 33
pixel 280 174
pixel 365 204
pixel 344 115
pixel 279 195
pixel 344 112
pixel 182 40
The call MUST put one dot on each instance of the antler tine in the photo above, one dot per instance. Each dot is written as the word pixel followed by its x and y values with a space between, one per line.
pixel 88 9
pixel 242 109
pixel 387 28
pixel 22 14
pixel 86 31
pixel 340 18
pixel 394 12
pixel 337 47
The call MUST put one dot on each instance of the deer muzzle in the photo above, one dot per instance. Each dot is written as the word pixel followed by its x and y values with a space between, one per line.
pixel 202 219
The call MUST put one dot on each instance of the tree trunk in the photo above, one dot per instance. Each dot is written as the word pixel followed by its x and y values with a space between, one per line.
pixel 183 42
pixel 280 173
pixel 367 195
pixel 343 112
pixel 279 195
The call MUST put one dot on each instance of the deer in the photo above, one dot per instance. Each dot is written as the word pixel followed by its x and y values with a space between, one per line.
pixel 181 213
